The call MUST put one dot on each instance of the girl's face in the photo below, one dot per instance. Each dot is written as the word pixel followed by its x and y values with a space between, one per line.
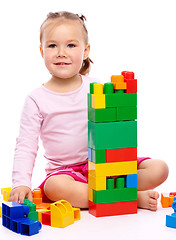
pixel 64 49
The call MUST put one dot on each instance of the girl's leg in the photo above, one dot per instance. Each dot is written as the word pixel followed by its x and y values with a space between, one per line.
pixel 151 173
pixel 65 187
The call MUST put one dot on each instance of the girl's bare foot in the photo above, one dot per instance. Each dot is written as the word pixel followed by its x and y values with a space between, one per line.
pixel 147 199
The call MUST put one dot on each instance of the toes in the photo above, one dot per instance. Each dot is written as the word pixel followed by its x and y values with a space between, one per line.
pixel 154 195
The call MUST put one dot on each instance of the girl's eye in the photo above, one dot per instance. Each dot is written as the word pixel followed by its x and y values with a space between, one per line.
pixel 71 45
pixel 52 45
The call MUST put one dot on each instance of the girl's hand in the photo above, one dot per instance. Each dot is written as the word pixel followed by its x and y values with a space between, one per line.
pixel 18 194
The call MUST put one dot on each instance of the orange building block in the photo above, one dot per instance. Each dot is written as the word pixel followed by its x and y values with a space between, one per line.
pixel 37 196
pixel 166 200
pixel 118 81
pixel 121 155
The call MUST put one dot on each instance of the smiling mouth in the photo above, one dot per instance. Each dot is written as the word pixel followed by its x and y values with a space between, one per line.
pixel 62 64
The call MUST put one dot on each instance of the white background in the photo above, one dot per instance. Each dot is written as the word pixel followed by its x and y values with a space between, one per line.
pixel 130 35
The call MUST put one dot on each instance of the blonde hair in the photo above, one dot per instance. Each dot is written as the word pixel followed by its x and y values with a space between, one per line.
pixel 85 69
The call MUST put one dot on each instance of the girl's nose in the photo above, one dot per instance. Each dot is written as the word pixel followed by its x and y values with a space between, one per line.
pixel 61 52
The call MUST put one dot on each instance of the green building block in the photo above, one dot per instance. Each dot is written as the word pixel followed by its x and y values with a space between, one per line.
pixel 110 183
pixel 120 182
pixel 108 88
pixel 33 215
pixel 115 195
pixel 126 113
pixel 121 100
pixel 112 135
pixel 102 115
pixel 98 156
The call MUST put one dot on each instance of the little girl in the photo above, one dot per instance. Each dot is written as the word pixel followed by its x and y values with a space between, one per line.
pixel 57 112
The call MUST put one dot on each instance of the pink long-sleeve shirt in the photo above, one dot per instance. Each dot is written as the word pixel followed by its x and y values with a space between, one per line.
pixel 60 120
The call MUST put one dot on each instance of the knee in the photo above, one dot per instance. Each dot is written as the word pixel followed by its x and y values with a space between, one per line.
pixel 53 192
pixel 161 171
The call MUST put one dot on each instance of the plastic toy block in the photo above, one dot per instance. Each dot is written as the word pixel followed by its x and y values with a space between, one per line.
pixel 104 135
pixel 14 210
pixel 5 192
pixel 33 215
pixel 166 200
pixel 115 195
pixel 120 182
pixel 102 115
pixel 108 88
pixel 128 75
pixel 15 224
pixel 46 218
pixel 90 154
pixel 98 101
pixel 98 156
pixel 40 211
pixel 37 196
pixel 131 86
pixel 90 194
pixel 62 214
pixel 97 183
pixel 43 206
pixel 121 100
pixel 98 88
pixel 92 87
pixel 121 155
pixel 0 208
pixel 126 113
pixel 98 98
pixel 112 169
pixel 30 227
pixel 131 181
pixel 31 205
pixel 171 220
pixel 112 209
pixel 172 193
pixel 110 184
pixel 118 81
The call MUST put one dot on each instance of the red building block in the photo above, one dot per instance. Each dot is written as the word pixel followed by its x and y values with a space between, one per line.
pixel 121 155
pixel 130 81
pixel 112 209
pixel 46 218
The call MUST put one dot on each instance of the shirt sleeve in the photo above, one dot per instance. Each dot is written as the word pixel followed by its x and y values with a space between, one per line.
pixel 26 144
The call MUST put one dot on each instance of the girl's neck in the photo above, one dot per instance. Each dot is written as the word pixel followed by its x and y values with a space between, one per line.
pixel 64 85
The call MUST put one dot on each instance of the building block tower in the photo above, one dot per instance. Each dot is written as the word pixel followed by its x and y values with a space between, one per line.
pixel 112 146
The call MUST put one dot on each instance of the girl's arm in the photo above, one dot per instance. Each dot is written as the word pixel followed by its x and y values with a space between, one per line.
pixel 26 151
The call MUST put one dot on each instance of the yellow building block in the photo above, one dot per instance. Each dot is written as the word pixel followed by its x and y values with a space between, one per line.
pixel 62 214
pixel 5 192
pixel 1 207
pixel 90 194
pixel 112 169
pixel 98 101
pixel 98 88
pixel 97 183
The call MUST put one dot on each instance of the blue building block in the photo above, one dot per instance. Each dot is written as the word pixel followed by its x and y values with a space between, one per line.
pixel 14 218
pixel 14 210
pixel 171 219
pixel 30 227
pixel 90 154
pixel 131 181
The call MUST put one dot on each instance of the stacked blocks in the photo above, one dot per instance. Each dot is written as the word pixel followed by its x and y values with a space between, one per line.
pixel 171 219
pixel 112 146
pixel 14 217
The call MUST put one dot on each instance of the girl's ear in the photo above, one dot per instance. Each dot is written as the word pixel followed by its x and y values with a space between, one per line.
pixel 41 50
pixel 86 51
